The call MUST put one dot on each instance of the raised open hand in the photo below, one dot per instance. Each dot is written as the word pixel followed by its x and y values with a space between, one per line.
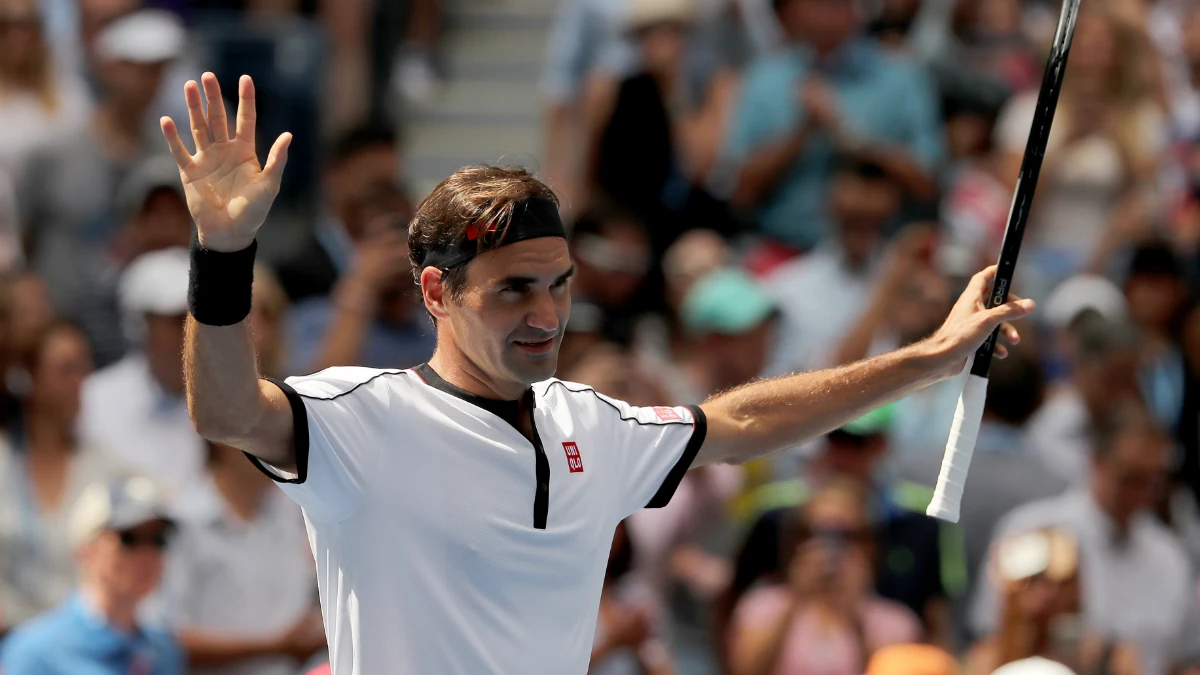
pixel 227 191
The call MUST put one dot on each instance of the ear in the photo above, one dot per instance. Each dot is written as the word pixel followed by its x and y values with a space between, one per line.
pixel 434 293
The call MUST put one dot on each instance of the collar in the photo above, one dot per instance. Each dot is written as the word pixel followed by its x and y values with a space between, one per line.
pixel 509 411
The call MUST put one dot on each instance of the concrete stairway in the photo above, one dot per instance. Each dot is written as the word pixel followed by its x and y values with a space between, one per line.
pixel 488 109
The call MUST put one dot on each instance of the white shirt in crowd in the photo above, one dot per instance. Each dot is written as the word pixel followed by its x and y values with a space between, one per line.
pixel 1138 588
pixel 128 414
pixel 446 541
pixel 249 580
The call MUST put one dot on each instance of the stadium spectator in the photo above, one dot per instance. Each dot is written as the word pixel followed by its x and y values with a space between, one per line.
pixel 651 135
pixel 1136 583
pixel 134 409
pixel 1097 191
pixel 38 101
pixel 822 617
pixel 822 294
pixel 44 468
pixel 120 531
pixel 152 209
pixel 626 642
pixel 1102 357
pixel 910 567
pixel 240 586
pixel 831 93
pixel 68 191
pixel 351 281
pixel 267 311
pixel 1005 470
pixel 1156 291
pixel 1039 572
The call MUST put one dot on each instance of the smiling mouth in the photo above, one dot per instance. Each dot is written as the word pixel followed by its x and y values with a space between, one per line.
pixel 536 346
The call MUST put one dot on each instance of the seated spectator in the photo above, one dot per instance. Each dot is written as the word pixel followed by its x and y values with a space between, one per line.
pixel 626 641
pixel 44 468
pixel 69 187
pixel 355 300
pixel 821 294
pixel 1039 572
pixel 135 409
pixel 1135 582
pixel 1097 190
pixel 833 93
pixel 120 531
pixel 152 209
pixel 1070 299
pixel 822 616
pixel 647 150
pixel 240 586
pixel 609 291
pixel 1005 471
pixel 1156 291
pixel 1102 368
pixel 911 567
pixel 267 312
pixel 38 101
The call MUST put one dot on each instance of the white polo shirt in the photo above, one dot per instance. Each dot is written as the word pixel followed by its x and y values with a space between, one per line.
pixel 446 541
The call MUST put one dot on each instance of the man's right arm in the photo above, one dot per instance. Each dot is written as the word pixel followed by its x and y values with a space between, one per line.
pixel 229 195
pixel 228 402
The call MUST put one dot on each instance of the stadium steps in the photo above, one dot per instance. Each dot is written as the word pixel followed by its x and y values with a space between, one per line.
pixel 488 108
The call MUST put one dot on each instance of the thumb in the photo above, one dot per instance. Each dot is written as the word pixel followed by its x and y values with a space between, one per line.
pixel 277 158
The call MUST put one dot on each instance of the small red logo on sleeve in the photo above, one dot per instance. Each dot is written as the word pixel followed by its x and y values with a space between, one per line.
pixel 574 461
pixel 667 414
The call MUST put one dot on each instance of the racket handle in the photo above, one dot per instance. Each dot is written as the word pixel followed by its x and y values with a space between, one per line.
pixel 947 496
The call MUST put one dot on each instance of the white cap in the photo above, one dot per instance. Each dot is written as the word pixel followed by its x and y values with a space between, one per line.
pixel 1083 292
pixel 1034 665
pixel 645 13
pixel 120 504
pixel 144 36
pixel 156 283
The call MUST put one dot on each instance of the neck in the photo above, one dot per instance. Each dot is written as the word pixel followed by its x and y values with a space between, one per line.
pixel 118 612
pixel 242 491
pixel 46 433
pixel 455 368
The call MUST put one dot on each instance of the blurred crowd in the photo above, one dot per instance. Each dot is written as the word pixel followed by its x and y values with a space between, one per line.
pixel 755 187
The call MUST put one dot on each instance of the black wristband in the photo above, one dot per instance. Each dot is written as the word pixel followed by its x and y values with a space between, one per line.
pixel 220 284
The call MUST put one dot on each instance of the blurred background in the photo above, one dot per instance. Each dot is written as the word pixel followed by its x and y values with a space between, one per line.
pixel 756 187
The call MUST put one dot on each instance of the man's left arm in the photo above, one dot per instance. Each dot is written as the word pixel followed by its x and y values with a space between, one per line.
pixel 764 417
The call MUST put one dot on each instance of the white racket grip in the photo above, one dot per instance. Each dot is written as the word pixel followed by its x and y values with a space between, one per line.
pixel 947 496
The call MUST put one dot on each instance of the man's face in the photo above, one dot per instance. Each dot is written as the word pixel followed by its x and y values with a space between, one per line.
pixel 163 222
pixel 740 358
pixel 612 265
pixel 1154 299
pixel 65 361
pixel 1130 477
pixel 1106 379
pixel 129 563
pixel 510 317
pixel 366 186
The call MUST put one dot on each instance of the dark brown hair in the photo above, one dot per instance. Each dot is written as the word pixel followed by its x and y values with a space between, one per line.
pixel 483 196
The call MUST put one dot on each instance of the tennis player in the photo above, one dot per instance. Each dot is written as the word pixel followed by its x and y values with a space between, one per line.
pixel 461 512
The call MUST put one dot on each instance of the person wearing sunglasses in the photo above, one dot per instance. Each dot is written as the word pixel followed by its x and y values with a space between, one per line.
pixel 121 529
pixel 824 618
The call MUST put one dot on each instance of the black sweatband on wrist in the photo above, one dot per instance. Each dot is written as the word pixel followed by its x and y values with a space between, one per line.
pixel 220 284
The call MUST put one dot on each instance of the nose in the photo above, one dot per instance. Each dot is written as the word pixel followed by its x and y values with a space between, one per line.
pixel 543 315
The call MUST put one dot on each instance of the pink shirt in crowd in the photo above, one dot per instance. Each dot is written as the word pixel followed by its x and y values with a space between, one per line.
pixel 814 649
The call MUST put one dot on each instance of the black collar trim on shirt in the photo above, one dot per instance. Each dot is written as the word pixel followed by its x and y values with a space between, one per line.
pixel 509 411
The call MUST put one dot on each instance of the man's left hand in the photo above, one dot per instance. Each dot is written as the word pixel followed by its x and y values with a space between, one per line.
pixel 970 323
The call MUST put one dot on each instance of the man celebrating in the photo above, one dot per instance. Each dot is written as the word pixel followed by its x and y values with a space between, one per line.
pixel 460 512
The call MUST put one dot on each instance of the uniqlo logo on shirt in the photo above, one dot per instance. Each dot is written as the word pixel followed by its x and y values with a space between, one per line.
pixel 667 414
pixel 574 461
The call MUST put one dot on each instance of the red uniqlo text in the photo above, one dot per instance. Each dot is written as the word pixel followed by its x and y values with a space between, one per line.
pixel 574 461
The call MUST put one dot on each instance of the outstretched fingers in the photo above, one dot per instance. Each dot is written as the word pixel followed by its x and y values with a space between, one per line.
pixel 246 112
pixel 218 123
pixel 174 142
pixel 277 158
pixel 196 117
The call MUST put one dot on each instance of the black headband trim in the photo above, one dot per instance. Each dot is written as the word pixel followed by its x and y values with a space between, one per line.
pixel 533 218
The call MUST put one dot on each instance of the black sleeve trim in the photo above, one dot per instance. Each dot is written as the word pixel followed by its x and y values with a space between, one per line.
pixel 299 432
pixel 675 477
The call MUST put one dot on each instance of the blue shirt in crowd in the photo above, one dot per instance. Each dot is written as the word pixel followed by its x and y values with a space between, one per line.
pixel 387 345
pixel 884 97
pixel 73 640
